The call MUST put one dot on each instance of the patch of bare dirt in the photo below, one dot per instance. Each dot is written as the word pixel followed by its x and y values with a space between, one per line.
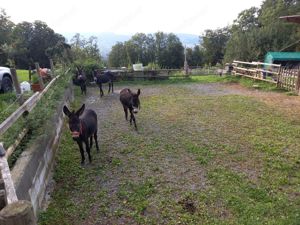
pixel 283 102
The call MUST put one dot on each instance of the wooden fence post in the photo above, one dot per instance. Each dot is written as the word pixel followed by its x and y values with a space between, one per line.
pixel 18 213
pixel 298 83
pixel 52 68
pixel 17 85
pixel 6 176
pixel 41 82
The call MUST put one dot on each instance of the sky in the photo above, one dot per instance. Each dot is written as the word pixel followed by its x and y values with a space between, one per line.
pixel 128 16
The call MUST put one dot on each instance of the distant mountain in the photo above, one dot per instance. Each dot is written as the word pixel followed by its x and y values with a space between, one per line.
pixel 107 40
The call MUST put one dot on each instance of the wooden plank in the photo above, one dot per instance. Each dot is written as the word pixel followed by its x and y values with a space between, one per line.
pixel 6 176
pixel 13 147
pixel 241 62
pixel 245 69
pixel 256 78
pixel 267 64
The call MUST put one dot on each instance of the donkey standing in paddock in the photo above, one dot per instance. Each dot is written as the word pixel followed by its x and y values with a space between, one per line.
pixel 83 125
pixel 80 80
pixel 82 83
pixel 107 77
pixel 130 100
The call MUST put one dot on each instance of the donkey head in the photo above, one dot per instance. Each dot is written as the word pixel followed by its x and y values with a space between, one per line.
pixel 135 101
pixel 74 121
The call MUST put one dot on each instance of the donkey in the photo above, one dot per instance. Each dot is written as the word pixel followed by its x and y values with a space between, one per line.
pixel 130 101
pixel 80 80
pixel 83 125
pixel 107 77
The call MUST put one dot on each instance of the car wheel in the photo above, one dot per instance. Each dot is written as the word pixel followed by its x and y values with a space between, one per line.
pixel 6 84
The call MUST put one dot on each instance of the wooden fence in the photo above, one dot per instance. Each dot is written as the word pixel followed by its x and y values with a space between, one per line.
pixel 273 73
pixel 289 79
pixel 14 211
pixel 160 74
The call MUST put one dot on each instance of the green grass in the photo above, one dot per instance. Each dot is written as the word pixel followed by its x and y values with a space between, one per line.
pixel 177 80
pixel 254 84
pixel 8 105
pixel 196 159
pixel 23 75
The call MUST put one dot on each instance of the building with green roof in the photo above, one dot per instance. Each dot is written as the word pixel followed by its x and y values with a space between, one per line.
pixel 287 59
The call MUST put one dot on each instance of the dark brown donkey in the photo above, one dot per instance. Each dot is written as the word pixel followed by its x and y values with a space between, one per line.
pixel 130 100
pixel 83 125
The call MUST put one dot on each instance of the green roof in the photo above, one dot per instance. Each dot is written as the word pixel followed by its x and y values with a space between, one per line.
pixel 282 56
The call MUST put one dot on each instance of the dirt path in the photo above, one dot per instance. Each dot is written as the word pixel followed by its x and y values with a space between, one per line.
pixel 120 144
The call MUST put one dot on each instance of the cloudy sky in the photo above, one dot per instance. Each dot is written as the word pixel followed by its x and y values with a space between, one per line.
pixel 128 16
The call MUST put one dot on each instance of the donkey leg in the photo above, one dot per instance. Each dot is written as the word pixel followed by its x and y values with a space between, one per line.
pixel 112 87
pixel 109 85
pixel 91 142
pixel 81 151
pixel 101 91
pixel 96 141
pixel 133 118
pixel 126 112
pixel 84 89
pixel 88 150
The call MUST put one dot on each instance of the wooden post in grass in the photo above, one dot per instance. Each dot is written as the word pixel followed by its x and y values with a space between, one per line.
pixel 52 68
pixel 17 85
pixel 41 82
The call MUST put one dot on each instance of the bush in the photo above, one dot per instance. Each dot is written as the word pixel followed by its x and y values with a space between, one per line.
pixel 88 66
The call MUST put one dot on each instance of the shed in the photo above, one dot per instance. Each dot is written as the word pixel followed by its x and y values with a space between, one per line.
pixel 287 59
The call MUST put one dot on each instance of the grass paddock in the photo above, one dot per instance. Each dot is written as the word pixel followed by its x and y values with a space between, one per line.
pixel 204 153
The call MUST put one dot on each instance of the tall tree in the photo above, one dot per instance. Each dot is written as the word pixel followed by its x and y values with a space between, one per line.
pixel 214 43
pixel 117 56
pixel 6 27
pixel 195 56
pixel 161 49
pixel 174 52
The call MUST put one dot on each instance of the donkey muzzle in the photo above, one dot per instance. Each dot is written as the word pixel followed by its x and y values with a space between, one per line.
pixel 135 110
pixel 75 134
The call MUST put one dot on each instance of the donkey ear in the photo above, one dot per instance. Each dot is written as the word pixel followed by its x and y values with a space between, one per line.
pixel 66 111
pixel 138 92
pixel 80 111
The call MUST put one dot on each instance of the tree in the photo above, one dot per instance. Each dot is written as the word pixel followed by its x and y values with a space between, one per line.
pixel 6 27
pixel 195 56
pixel 174 52
pixel 214 43
pixel 86 54
pixel 117 56
pixel 257 31
pixel 160 49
